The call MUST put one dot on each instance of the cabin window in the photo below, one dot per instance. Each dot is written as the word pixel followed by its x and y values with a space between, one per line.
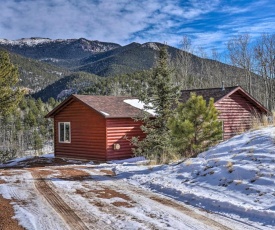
pixel 64 132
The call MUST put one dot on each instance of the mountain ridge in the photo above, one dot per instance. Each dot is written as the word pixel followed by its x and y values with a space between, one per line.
pixel 96 59
pixel 37 48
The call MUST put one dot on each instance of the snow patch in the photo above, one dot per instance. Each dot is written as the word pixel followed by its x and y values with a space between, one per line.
pixel 105 114
pixel 129 160
pixel 140 105
pixel 26 41
pixel 151 45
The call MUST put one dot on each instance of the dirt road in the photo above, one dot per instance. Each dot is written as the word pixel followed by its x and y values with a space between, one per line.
pixel 116 200
pixel 88 197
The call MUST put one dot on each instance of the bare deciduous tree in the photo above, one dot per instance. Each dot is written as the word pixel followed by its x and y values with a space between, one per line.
pixel 265 57
pixel 183 63
pixel 241 55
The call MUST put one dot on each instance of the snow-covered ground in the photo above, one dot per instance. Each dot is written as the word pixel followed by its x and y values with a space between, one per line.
pixel 231 186
pixel 235 178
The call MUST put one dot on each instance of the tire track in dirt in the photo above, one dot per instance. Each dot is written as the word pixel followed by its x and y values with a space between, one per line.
pixel 101 190
pixel 12 189
pixel 102 193
pixel 68 215
pixel 133 191
pixel 98 197
pixel 143 198
pixel 175 205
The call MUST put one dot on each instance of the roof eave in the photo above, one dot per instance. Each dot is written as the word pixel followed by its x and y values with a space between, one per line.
pixel 66 102
pixel 55 110
pixel 258 104
pixel 228 94
pixel 90 107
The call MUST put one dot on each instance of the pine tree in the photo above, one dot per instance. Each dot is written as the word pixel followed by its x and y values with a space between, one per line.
pixel 160 97
pixel 195 126
pixel 9 94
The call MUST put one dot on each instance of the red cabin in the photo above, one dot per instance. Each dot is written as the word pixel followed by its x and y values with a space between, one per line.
pixel 237 108
pixel 95 127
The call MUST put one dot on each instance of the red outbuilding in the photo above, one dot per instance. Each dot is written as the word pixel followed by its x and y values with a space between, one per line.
pixel 99 127
pixel 237 108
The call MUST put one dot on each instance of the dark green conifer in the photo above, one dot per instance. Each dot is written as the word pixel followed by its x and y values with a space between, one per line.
pixel 160 97
pixel 195 126
pixel 10 95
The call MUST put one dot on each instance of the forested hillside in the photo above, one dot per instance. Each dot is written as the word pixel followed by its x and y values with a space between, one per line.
pixel 70 66
pixel 36 75
pixel 25 129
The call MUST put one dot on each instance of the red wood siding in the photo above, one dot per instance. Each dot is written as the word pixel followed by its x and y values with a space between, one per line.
pixel 88 133
pixel 236 113
pixel 117 129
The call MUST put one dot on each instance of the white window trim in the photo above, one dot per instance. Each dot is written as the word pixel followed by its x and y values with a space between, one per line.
pixel 59 130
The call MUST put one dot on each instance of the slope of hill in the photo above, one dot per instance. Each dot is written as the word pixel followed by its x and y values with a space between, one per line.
pixel 36 75
pixel 235 178
pixel 67 85
pixel 127 59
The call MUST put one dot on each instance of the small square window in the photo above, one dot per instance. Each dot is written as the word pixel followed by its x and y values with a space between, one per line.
pixel 64 132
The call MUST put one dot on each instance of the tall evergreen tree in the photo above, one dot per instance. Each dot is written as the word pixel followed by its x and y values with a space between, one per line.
pixel 195 126
pixel 9 94
pixel 160 96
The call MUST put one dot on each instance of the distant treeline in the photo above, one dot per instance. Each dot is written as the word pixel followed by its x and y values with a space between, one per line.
pixel 26 129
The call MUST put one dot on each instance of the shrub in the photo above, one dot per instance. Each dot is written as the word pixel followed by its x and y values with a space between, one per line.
pixel 195 126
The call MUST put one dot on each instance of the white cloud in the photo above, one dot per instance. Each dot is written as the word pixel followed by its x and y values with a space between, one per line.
pixel 105 20
pixel 102 20
pixel 124 21
pixel 209 41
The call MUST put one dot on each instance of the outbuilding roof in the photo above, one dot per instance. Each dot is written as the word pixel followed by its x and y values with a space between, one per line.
pixel 220 93
pixel 216 93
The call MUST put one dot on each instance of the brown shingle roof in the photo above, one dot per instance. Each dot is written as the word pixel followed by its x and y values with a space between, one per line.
pixel 107 106
pixel 112 105
pixel 219 93
pixel 216 93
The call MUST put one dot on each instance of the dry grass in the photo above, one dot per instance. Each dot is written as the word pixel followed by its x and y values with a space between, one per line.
pixel 229 166
pixel 241 129
pixel 164 159
pixel 263 121
pixel 237 182
pixel 168 158
pixel 188 162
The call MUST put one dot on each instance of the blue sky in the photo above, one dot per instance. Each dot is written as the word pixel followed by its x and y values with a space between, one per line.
pixel 209 23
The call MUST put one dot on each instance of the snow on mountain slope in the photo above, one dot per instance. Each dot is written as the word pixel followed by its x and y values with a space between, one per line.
pixel 34 42
pixel 27 41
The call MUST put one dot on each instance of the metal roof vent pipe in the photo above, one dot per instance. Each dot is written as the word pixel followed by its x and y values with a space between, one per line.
pixel 223 85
